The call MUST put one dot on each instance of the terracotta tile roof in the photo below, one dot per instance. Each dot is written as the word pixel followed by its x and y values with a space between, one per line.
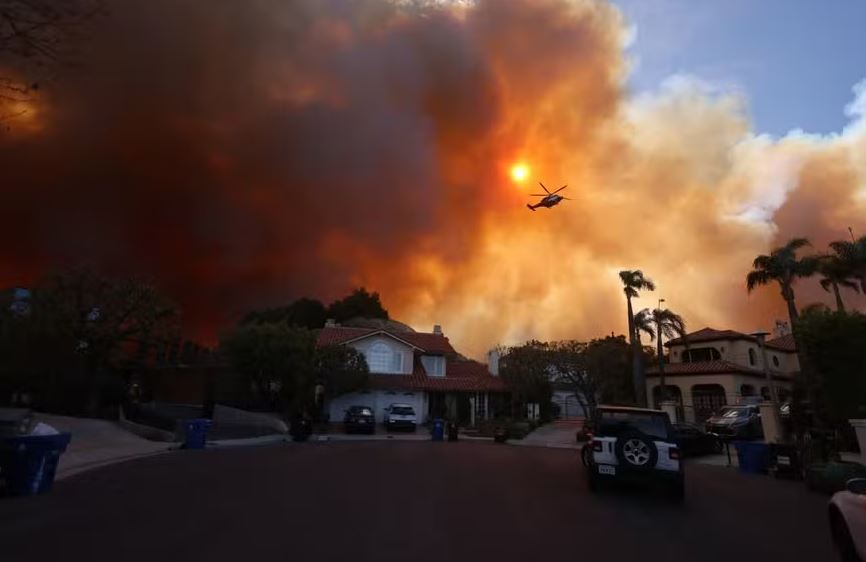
pixel 710 334
pixel 716 367
pixel 784 343
pixel 435 344
pixel 465 376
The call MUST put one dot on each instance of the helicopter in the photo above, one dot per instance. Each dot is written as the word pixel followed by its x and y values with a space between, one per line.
pixel 550 199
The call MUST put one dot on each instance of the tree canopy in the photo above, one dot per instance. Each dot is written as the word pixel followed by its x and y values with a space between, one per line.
pixel 360 303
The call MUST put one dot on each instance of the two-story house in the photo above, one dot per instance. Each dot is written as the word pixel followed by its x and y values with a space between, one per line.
pixel 420 369
pixel 720 367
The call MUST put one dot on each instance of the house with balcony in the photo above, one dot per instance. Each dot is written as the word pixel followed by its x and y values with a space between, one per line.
pixel 722 367
pixel 420 369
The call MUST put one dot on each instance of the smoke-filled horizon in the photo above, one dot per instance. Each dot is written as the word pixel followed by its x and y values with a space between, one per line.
pixel 246 154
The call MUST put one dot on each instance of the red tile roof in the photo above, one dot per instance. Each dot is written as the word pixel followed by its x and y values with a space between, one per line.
pixel 716 367
pixel 460 376
pixel 784 343
pixel 436 344
pixel 710 334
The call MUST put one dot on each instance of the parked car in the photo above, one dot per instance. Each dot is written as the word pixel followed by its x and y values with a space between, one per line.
pixel 694 441
pixel 635 445
pixel 359 419
pixel 400 416
pixel 737 422
pixel 848 521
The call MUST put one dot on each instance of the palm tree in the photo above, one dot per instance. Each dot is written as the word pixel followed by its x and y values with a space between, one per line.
pixel 667 324
pixel 837 272
pixel 783 267
pixel 633 282
pixel 853 255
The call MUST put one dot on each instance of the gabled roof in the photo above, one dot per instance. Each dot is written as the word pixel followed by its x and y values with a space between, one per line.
pixel 436 344
pixel 716 367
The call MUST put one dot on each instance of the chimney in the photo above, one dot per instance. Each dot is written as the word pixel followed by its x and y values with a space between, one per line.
pixel 493 362
pixel 437 329
pixel 330 323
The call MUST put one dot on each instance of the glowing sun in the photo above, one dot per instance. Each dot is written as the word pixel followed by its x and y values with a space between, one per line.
pixel 519 172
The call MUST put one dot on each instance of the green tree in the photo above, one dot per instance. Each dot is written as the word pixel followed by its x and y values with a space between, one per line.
pixel 526 370
pixel 834 342
pixel 341 369
pixel 276 360
pixel 304 312
pixel 634 282
pixel 358 304
pixel 853 255
pixel 782 266
pixel 667 324
pixel 598 370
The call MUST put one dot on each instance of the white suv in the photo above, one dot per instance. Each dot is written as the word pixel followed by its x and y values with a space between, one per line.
pixel 635 445
pixel 400 416
pixel 848 520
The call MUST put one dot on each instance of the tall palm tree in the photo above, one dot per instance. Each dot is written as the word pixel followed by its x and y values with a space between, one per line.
pixel 633 282
pixel 853 255
pixel 667 324
pixel 837 272
pixel 784 267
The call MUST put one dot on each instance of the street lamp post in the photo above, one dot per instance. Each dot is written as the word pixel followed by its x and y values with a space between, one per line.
pixel 663 394
pixel 761 337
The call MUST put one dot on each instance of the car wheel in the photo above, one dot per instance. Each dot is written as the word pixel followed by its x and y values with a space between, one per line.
pixel 842 538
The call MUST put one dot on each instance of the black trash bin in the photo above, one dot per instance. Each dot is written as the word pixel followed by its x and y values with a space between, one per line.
pixel 785 461
pixel 452 432
pixel 28 463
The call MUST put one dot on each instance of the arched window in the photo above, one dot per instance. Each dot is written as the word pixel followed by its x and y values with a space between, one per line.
pixel 751 356
pixel 775 360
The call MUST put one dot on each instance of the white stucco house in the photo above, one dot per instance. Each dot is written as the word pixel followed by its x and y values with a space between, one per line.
pixel 721 367
pixel 420 369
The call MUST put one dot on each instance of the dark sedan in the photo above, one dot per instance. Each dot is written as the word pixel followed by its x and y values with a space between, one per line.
pixel 694 441
pixel 360 419
pixel 737 422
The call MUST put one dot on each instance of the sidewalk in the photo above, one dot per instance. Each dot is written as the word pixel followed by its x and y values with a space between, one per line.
pixel 97 443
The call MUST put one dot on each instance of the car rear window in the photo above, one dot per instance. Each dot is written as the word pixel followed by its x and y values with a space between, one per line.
pixel 402 410
pixel 613 423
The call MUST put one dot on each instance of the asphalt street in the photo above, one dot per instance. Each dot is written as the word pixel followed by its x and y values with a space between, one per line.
pixel 404 501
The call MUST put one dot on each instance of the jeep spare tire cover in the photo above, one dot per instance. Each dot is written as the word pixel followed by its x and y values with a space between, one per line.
pixel 636 451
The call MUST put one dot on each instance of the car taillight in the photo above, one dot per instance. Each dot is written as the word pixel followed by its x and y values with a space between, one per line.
pixel 675 454
pixel 596 446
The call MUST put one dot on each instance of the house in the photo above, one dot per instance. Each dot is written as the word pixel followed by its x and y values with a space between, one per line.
pixel 721 367
pixel 420 369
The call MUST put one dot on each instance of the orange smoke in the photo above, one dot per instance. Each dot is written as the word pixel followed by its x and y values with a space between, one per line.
pixel 245 154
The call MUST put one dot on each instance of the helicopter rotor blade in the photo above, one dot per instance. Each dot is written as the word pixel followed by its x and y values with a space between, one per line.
pixel 544 188
pixel 561 188
pixel 567 198
pixel 539 194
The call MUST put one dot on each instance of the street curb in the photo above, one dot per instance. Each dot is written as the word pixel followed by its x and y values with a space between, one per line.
pixel 85 467
pixel 248 441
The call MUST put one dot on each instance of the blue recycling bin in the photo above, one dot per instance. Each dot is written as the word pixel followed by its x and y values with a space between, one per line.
pixel 195 433
pixel 753 456
pixel 437 432
pixel 28 463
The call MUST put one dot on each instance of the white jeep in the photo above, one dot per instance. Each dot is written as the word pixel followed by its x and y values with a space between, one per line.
pixel 634 445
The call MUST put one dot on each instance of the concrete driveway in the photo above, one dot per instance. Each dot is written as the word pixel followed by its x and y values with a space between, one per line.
pixel 399 501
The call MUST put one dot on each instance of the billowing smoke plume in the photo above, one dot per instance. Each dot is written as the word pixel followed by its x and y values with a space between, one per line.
pixel 247 153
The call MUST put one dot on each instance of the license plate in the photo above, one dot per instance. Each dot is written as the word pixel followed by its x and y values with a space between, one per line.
pixel 783 460
pixel 606 469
